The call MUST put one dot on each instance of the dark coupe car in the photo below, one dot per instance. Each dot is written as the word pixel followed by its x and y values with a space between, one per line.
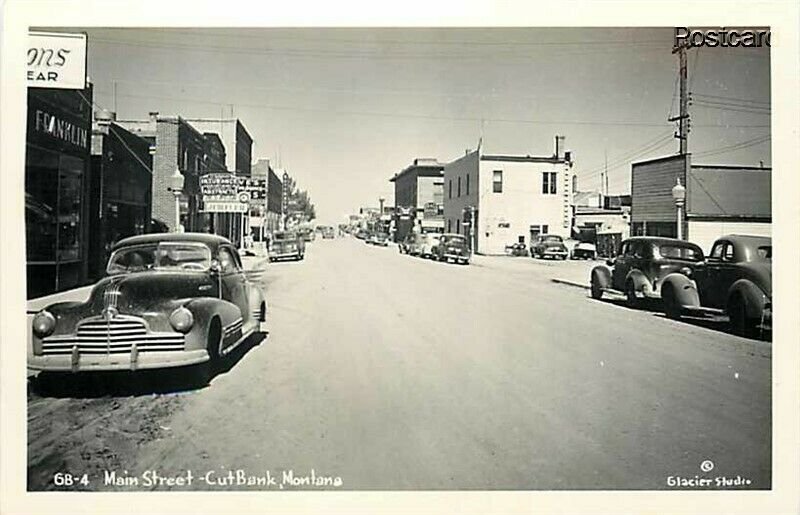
pixel 643 262
pixel 735 279
pixel 287 245
pixel 168 300
pixel 549 245
pixel 452 247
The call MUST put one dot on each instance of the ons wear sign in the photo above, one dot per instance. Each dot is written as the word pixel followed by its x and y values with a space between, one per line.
pixel 56 60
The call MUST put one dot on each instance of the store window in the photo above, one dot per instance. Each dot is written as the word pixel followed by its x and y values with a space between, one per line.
pixel 53 187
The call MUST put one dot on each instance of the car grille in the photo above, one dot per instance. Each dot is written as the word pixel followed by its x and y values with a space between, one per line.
pixel 115 336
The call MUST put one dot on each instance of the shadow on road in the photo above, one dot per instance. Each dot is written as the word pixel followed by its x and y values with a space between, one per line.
pixel 717 323
pixel 126 383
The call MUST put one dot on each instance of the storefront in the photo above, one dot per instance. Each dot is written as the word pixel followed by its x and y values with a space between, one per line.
pixel 56 189
pixel 121 183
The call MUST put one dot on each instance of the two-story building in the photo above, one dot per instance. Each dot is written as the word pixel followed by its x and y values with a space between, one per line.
pixel 500 199
pixel 418 197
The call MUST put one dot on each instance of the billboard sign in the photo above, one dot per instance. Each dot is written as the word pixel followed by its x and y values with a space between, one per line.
pixel 56 60
pixel 220 193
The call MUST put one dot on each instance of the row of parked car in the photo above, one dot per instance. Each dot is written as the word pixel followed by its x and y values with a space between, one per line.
pixel 735 279
pixel 552 246
pixel 439 247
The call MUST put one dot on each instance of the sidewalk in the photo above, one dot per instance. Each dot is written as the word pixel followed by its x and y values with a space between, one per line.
pixel 570 272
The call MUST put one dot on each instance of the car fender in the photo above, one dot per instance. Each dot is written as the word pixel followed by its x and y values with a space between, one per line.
pixel 204 309
pixel 640 281
pixel 685 290
pixel 755 299
pixel 603 275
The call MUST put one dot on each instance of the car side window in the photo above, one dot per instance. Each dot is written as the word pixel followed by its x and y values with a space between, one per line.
pixel 727 253
pixel 637 249
pixel 226 261
pixel 716 251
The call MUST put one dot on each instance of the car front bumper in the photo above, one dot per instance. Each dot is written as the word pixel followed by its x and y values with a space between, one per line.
pixel 281 255
pixel 457 257
pixel 76 362
pixel 555 253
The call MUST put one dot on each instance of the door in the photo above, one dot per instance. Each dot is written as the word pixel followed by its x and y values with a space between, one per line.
pixel 622 264
pixel 234 282
pixel 718 275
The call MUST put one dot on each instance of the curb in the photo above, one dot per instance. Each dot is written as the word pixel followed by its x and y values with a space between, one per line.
pixel 571 283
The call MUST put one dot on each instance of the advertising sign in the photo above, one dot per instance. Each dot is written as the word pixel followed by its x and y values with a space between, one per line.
pixel 56 60
pixel 430 210
pixel 220 193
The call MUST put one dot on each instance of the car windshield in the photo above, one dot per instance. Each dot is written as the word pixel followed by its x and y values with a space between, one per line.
pixel 764 252
pixel 160 256
pixel 452 240
pixel 672 251
pixel 552 238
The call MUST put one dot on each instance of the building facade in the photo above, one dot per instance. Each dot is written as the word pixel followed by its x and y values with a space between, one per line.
pixel 720 199
pixel 498 200
pixel 57 180
pixel 177 145
pixel 120 189
pixel 419 198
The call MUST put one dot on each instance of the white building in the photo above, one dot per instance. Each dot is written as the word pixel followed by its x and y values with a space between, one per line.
pixel 512 198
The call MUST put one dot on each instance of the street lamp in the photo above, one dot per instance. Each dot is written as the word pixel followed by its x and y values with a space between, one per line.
pixel 176 181
pixel 679 195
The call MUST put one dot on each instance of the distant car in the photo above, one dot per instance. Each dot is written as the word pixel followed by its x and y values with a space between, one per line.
pixel 380 239
pixel 642 264
pixel 452 247
pixel 584 250
pixel 167 300
pixel 414 247
pixel 328 233
pixel 308 234
pixel 405 243
pixel 549 246
pixel 517 249
pixel 428 245
pixel 287 245
pixel 362 234
pixel 735 279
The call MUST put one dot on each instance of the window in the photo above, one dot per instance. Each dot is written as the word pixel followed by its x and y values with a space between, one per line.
pixel 459 186
pixel 728 254
pixel 227 262
pixel 720 250
pixel 450 188
pixel 549 183
pixel 497 181
pixel 448 225
pixel 467 184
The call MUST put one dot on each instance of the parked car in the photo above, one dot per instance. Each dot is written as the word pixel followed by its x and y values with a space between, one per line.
pixel 452 247
pixel 428 245
pixel 328 233
pixel 642 264
pixel 405 243
pixel 517 249
pixel 167 300
pixel 380 238
pixel 584 250
pixel 549 246
pixel 287 245
pixel 735 279
pixel 362 234
pixel 414 247
pixel 307 233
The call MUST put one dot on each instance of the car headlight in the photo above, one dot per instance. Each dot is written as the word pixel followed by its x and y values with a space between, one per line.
pixel 44 323
pixel 181 320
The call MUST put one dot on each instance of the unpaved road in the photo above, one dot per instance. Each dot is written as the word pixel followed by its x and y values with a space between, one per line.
pixel 390 372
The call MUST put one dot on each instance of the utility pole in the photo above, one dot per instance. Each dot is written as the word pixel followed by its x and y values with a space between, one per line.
pixel 683 117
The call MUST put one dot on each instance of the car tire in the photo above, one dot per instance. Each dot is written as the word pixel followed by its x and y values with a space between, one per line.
pixel 740 323
pixel 204 372
pixel 630 294
pixel 670 304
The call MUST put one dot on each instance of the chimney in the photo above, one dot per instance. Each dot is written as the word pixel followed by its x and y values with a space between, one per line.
pixel 560 147
pixel 104 116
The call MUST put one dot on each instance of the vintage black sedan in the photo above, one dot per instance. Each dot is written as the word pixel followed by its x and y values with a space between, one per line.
pixel 642 264
pixel 735 279
pixel 549 246
pixel 287 245
pixel 168 300
pixel 452 247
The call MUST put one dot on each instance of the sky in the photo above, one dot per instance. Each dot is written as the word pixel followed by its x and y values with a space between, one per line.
pixel 343 110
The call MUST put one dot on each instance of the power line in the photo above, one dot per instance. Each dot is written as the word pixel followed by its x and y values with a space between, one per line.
pixel 619 123
pixel 731 99
pixel 736 146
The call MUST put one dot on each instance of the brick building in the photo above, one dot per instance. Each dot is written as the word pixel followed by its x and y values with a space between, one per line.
pixel 176 144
